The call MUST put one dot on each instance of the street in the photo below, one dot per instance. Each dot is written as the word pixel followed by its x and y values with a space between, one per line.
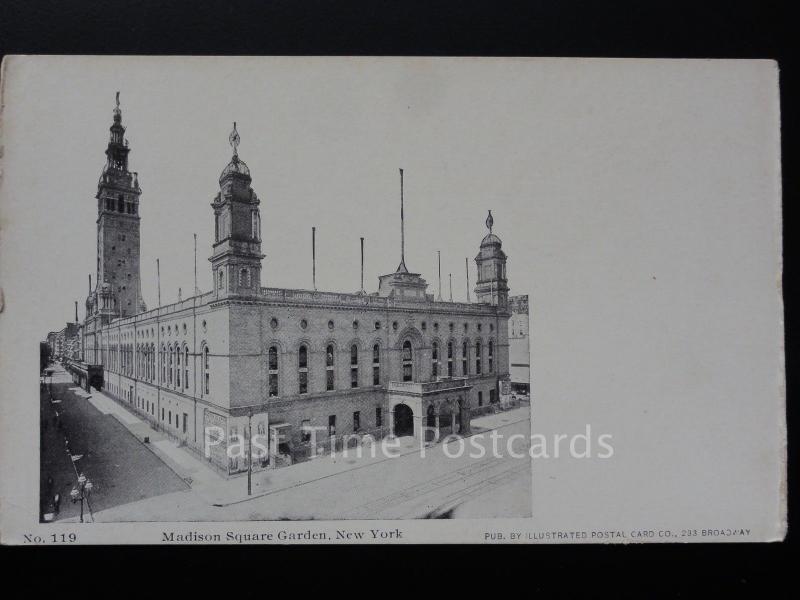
pixel 138 482
pixel 121 469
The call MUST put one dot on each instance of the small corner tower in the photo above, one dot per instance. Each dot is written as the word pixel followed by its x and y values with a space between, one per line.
pixel 236 259
pixel 492 285
pixel 118 288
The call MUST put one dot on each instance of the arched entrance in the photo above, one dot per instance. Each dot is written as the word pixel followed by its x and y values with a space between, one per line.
pixel 403 420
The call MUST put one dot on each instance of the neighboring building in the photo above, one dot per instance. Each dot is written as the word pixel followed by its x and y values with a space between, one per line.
pixel 65 344
pixel 519 345
pixel 51 343
pixel 279 361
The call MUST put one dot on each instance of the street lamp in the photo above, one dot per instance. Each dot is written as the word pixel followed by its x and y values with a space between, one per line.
pixel 81 492
pixel 249 452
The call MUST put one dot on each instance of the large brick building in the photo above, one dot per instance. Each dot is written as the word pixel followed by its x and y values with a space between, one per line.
pixel 243 358
pixel 519 344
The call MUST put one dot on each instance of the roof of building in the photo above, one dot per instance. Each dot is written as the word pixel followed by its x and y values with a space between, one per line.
pixel 490 239
pixel 236 167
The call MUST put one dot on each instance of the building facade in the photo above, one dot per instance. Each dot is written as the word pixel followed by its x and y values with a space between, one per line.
pixel 519 344
pixel 65 344
pixel 306 369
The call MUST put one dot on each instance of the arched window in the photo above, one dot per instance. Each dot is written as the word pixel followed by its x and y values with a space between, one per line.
pixel 329 373
pixel 464 361
pixel 376 364
pixel 220 279
pixel 435 359
pixel 272 365
pixel 408 371
pixel 206 370
pixel 491 356
pixel 450 359
pixel 302 368
pixel 354 366
pixel 256 226
pixel 163 365
pixel 186 367
pixel 478 358
pixel 171 371
pixel 177 366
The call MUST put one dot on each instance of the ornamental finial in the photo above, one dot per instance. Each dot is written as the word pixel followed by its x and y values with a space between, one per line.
pixel 489 221
pixel 234 139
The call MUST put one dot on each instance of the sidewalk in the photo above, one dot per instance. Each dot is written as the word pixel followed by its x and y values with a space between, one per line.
pixel 187 466
pixel 216 490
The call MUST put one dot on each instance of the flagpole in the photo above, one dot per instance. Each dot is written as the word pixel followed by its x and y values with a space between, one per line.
pixel 158 276
pixel 466 266
pixel 195 265
pixel 314 257
pixel 439 255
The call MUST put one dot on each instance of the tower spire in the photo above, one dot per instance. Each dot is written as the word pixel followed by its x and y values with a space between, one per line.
pixel 234 140
pixel 402 266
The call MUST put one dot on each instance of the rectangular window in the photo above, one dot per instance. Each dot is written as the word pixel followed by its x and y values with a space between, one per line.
pixel 356 420
pixel 332 425
pixel 354 377
pixel 378 417
pixel 273 385
pixel 480 398
pixel 303 382
pixel 376 375
pixel 185 422
pixel 162 414
pixel 305 431
pixel 329 379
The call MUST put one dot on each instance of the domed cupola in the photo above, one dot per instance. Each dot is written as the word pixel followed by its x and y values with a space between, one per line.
pixel 236 168
pixel 492 285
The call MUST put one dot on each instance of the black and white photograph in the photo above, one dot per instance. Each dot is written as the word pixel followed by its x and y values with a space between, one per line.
pixel 391 300
pixel 300 354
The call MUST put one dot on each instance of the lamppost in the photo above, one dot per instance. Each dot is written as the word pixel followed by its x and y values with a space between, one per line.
pixel 249 452
pixel 81 492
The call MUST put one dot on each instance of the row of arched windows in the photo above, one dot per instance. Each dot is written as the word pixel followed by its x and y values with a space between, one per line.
pixel 330 368
pixel 174 364
pixel 464 358
pixel 406 358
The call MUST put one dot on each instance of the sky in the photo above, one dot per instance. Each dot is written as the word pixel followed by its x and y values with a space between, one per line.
pixel 638 203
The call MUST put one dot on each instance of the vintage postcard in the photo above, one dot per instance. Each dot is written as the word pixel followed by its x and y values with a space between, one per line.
pixel 390 300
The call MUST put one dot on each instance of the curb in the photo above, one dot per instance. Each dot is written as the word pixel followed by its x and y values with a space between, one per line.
pixel 288 487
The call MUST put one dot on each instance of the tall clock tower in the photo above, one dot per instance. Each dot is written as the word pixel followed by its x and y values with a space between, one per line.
pixel 118 292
